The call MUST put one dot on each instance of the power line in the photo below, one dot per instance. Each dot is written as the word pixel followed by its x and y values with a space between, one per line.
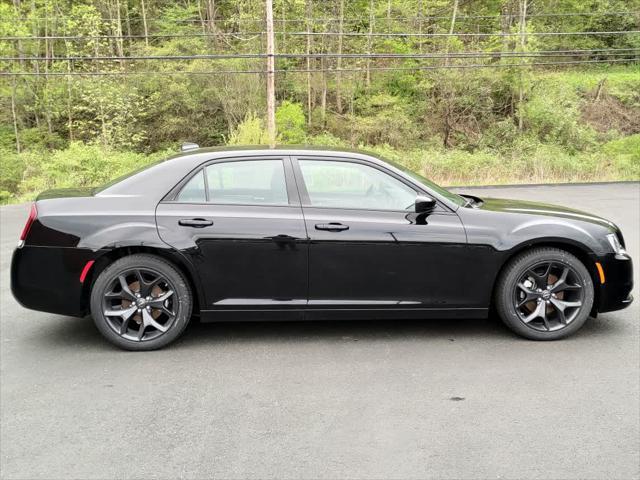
pixel 334 19
pixel 329 70
pixel 509 34
pixel 345 34
pixel 552 53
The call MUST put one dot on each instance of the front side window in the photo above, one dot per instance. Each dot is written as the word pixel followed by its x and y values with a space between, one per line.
pixel 246 182
pixel 337 184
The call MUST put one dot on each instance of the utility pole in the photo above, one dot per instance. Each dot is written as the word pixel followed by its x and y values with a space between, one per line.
pixel 271 87
pixel 339 61
pixel 523 46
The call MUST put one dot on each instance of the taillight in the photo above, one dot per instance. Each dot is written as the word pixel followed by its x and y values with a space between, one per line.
pixel 33 214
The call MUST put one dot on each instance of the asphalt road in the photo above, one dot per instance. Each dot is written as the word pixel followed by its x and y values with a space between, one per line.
pixel 403 399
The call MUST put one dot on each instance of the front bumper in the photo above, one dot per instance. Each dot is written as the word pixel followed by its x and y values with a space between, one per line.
pixel 615 292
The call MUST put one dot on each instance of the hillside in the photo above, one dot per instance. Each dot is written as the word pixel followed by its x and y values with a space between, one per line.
pixel 99 88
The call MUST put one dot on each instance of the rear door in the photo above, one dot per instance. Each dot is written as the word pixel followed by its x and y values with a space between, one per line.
pixel 368 248
pixel 240 222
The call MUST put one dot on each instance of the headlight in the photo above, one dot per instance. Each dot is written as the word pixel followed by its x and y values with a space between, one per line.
pixel 615 244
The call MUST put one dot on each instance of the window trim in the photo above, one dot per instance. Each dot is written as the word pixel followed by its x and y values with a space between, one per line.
pixel 304 194
pixel 290 183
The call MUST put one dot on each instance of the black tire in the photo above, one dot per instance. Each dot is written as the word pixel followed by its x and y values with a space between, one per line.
pixel 150 301
pixel 532 307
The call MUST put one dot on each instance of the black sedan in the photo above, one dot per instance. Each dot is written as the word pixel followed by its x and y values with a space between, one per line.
pixel 294 234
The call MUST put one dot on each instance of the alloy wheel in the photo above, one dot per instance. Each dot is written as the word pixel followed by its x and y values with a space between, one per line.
pixel 548 296
pixel 140 304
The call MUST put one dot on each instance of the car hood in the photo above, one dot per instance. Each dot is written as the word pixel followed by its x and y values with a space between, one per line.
pixel 534 208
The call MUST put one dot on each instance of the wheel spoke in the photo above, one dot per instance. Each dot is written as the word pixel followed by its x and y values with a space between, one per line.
pixel 557 288
pixel 544 317
pixel 141 331
pixel 125 292
pixel 124 313
pixel 560 313
pixel 158 302
pixel 124 326
pixel 529 295
pixel 561 304
pixel 537 313
pixel 147 286
pixel 541 280
pixel 148 320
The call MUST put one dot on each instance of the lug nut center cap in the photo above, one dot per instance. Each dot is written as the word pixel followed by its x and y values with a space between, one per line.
pixel 546 295
pixel 141 302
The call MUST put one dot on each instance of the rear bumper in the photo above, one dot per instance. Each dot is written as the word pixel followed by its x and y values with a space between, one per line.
pixel 48 279
pixel 615 292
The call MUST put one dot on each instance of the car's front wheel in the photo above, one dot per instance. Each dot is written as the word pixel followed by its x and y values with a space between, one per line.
pixel 544 294
pixel 141 302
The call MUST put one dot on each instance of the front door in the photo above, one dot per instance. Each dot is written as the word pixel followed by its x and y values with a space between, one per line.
pixel 368 248
pixel 241 224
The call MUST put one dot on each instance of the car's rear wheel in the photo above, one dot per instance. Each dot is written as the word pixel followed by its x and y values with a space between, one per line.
pixel 141 302
pixel 544 294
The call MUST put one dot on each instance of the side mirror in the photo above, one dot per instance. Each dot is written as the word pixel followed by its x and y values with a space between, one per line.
pixel 424 204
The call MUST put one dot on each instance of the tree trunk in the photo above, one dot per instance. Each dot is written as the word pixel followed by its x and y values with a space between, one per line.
pixel 202 21
pixel 339 61
pixel 271 90
pixel 599 89
pixel 144 22
pixel 69 102
pixel 36 65
pixel 14 114
pixel 283 28
pixel 420 19
pixel 120 42
pixel 211 13
pixel 388 16
pixel 47 114
pixel 453 24
pixel 323 95
pixel 16 8
pixel 369 42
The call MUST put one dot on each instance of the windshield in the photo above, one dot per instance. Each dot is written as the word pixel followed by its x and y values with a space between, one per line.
pixel 454 197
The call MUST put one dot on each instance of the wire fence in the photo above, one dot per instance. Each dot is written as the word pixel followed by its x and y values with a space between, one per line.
pixel 344 34
pixel 301 70
pixel 409 56
pixel 335 19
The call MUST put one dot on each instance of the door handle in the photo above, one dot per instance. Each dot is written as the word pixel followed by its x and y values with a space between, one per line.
pixel 332 227
pixel 195 222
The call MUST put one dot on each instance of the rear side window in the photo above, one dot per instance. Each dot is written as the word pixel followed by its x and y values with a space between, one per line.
pixel 247 182
pixel 193 191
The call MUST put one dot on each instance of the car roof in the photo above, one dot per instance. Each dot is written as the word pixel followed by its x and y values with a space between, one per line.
pixel 225 151
pixel 161 177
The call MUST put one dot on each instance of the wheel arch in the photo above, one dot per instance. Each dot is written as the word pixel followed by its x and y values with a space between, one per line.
pixel 579 250
pixel 174 258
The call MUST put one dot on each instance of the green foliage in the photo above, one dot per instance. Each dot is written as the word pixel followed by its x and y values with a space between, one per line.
pixel 11 170
pixel 251 131
pixel 553 115
pixel 625 155
pixel 77 165
pixel 290 123
pixel 455 125
pixel 112 113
